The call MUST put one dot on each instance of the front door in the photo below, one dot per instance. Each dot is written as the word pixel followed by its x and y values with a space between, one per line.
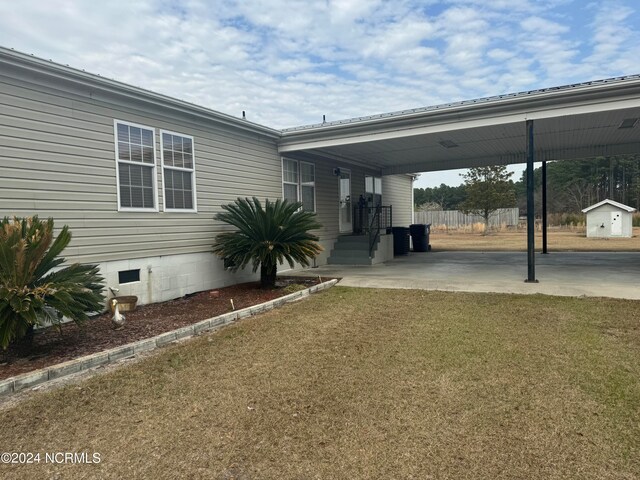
pixel 344 212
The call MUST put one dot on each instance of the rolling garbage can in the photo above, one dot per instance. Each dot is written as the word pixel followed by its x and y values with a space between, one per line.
pixel 400 240
pixel 420 236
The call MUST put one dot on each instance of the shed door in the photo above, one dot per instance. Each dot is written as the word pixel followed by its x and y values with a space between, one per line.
pixel 616 224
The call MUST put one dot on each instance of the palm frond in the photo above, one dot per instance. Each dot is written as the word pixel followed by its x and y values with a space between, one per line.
pixel 30 287
pixel 267 236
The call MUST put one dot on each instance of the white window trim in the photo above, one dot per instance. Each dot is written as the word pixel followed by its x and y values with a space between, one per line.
pixel 154 174
pixel 315 189
pixel 192 170
pixel 298 184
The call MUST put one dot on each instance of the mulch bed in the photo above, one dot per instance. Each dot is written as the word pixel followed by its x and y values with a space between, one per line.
pixel 52 346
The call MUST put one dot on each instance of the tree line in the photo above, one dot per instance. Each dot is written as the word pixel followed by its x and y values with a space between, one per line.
pixel 576 184
pixel 571 186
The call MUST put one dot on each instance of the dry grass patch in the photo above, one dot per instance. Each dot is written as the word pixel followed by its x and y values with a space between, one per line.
pixel 358 383
pixel 559 240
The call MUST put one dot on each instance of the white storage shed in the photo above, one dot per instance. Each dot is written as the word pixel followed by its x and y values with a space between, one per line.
pixel 609 219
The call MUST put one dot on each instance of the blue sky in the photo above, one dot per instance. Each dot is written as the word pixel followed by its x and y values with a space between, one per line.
pixel 288 62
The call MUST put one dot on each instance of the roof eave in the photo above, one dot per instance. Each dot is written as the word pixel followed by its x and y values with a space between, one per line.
pixel 65 72
pixel 470 110
pixel 613 203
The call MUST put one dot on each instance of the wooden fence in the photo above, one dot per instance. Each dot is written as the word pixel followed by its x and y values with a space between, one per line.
pixel 457 219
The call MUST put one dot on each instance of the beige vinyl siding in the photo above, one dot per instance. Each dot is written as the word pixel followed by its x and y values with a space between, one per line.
pixel 57 146
pixel 327 202
pixel 397 191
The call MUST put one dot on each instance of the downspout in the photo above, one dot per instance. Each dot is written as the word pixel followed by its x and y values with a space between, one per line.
pixel 413 200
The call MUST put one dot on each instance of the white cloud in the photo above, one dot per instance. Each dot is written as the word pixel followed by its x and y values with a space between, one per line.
pixel 288 62
pixel 541 26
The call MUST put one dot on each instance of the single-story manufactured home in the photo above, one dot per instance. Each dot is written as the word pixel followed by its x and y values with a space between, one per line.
pixel 609 219
pixel 139 176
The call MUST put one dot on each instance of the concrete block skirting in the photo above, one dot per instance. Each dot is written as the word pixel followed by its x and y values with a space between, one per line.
pixel 31 379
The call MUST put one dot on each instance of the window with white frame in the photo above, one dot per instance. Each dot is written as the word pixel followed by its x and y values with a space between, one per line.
pixel 178 171
pixel 299 183
pixel 373 190
pixel 308 186
pixel 136 166
pixel 290 180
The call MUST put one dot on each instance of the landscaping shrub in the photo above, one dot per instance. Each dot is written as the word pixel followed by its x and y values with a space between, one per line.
pixel 266 236
pixel 32 293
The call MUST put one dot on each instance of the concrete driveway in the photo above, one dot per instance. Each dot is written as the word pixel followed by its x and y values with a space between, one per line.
pixel 593 274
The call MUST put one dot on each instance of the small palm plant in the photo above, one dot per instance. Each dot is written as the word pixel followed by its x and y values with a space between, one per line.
pixel 266 236
pixel 31 293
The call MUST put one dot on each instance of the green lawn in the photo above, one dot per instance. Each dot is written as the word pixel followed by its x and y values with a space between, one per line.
pixel 358 383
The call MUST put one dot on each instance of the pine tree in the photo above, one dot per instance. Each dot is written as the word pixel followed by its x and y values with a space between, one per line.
pixel 488 189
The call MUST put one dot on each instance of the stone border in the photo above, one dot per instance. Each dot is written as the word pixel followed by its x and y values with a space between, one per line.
pixel 18 383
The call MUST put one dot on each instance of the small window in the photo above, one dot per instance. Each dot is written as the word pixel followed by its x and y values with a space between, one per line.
pixel 178 171
pixel 299 183
pixel 128 276
pixel 136 166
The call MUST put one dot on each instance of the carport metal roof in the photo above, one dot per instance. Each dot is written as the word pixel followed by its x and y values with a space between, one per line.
pixel 597 118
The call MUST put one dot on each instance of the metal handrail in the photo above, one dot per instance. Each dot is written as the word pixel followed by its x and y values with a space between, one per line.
pixel 374 230
pixel 370 220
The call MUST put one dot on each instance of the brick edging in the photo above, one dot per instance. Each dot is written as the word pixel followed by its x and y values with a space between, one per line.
pixel 18 383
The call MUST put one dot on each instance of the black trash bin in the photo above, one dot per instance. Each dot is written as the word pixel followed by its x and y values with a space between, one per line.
pixel 401 242
pixel 420 237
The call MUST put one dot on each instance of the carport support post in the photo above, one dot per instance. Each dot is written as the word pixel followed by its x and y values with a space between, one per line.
pixel 531 254
pixel 544 207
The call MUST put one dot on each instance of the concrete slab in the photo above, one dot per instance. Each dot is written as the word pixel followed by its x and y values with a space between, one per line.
pixel 592 274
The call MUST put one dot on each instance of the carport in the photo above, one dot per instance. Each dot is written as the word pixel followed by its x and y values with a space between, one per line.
pixel 598 118
pixel 570 274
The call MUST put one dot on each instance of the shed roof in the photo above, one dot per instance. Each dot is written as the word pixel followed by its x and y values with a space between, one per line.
pixel 621 206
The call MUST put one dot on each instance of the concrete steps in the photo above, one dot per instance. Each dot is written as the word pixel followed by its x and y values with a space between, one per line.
pixel 352 250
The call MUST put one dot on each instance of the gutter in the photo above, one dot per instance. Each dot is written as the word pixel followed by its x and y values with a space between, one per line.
pixel 457 111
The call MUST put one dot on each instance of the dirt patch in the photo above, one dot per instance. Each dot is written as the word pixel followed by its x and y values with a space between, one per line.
pixel 559 240
pixel 52 345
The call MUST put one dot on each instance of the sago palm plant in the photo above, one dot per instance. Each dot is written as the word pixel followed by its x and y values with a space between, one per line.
pixel 31 292
pixel 267 236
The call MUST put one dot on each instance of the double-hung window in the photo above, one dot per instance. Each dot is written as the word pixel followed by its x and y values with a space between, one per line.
pixel 373 190
pixel 136 167
pixel 299 183
pixel 308 186
pixel 178 172
pixel 290 180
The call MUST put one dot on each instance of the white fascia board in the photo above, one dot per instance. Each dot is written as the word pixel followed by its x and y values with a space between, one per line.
pixel 587 93
pixel 389 134
pixel 453 123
